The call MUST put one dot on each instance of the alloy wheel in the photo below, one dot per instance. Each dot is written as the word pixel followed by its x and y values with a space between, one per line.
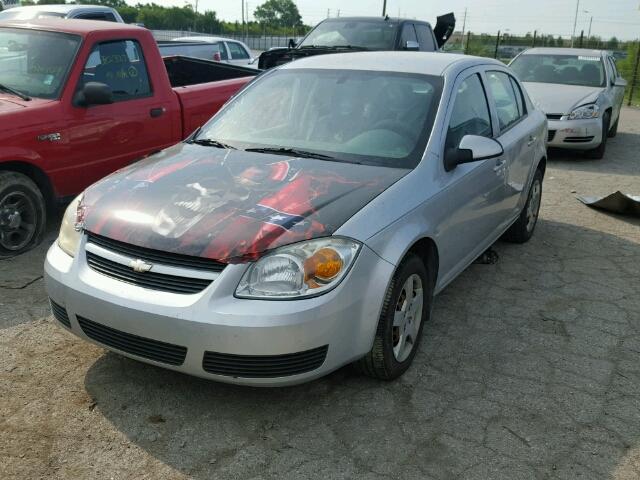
pixel 407 318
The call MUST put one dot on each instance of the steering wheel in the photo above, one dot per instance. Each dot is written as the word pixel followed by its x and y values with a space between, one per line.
pixel 396 127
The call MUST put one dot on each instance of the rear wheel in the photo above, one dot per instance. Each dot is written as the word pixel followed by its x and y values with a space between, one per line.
pixel 522 230
pixel 22 214
pixel 407 306
pixel 598 152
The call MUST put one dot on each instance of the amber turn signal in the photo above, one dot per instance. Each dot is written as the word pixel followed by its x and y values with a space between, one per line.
pixel 323 266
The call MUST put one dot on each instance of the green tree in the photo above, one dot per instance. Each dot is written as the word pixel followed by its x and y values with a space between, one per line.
pixel 280 13
pixel 613 43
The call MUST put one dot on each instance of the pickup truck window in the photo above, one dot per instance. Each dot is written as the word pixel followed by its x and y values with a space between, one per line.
pixel 120 65
pixel 425 38
pixel 374 35
pixel 381 118
pixel 36 63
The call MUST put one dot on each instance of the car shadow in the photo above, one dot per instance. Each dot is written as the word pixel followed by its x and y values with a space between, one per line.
pixel 528 369
pixel 621 157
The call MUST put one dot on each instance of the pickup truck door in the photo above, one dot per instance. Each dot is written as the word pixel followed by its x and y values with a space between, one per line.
pixel 107 137
pixel 473 193
pixel 518 132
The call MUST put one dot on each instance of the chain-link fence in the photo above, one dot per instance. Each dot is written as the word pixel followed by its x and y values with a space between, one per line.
pixel 257 43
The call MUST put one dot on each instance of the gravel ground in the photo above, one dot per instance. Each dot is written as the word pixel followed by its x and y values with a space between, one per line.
pixel 529 370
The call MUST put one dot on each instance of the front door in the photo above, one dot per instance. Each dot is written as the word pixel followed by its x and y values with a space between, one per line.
pixel 108 137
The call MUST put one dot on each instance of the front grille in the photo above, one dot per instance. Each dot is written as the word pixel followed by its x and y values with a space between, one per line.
pixel 155 256
pixel 60 313
pixel 551 135
pixel 578 139
pixel 264 366
pixel 133 344
pixel 151 280
pixel 554 116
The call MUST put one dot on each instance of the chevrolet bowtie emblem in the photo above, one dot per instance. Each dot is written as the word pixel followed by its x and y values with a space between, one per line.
pixel 140 266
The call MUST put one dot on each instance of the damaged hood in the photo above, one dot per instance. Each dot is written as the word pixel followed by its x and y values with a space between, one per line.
pixel 229 205
pixel 556 98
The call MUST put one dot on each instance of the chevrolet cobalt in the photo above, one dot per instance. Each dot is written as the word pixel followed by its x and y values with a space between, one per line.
pixel 309 224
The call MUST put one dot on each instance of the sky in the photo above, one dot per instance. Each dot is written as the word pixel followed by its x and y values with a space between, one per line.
pixel 610 17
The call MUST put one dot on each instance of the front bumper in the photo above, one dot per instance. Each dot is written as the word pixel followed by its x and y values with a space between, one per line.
pixel 575 134
pixel 113 314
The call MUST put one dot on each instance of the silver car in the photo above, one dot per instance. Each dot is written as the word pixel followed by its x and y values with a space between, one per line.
pixel 84 12
pixel 309 224
pixel 581 92
pixel 231 51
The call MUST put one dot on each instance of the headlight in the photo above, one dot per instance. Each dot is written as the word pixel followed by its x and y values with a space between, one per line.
pixel 71 228
pixel 300 270
pixel 584 112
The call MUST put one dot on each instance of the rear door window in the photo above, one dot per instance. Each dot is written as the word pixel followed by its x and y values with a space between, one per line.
pixel 425 38
pixel 237 51
pixel 121 66
pixel 408 34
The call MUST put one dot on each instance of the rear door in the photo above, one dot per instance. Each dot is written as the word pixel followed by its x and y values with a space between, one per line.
pixel 238 54
pixel 517 131
pixel 108 137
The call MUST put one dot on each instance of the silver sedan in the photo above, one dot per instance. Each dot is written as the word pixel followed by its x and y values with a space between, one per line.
pixel 581 92
pixel 309 224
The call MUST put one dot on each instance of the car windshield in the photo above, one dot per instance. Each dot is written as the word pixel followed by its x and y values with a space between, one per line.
pixel 36 63
pixel 379 118
pixel 585 70
pixel 374 35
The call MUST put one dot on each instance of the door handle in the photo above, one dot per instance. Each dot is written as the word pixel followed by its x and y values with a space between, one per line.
pixel 499 164
pixel 532 140
pixel 156 112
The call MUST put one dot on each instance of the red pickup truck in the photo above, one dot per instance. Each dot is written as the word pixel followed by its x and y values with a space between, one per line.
pixel 80 99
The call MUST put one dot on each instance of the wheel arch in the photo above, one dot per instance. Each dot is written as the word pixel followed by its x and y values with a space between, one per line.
pixel 427 249
pixel 36 174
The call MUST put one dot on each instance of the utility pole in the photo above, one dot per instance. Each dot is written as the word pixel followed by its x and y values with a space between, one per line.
pixel 590 23
pixel 328 12
pixel 242 18
pixel 338 13
pixel 384 8
pixel 575 23
pixel 495 55
pixel 464 26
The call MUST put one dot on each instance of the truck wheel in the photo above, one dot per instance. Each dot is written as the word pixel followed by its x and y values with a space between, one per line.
pixel 22 214
pixel 598 152
pixel 522 230
pixel 406 308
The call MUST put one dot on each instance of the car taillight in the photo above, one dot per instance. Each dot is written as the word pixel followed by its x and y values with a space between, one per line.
pixel 217 57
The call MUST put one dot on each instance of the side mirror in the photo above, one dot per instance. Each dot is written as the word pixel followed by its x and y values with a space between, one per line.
pixel 94 93
pixel 292 43
pixel 620 82
pixel 411 45
pixel 472 148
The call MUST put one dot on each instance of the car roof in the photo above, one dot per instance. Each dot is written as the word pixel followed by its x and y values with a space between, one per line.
pixel 205 39
pixel 61 8
pixel 564 51
pixel 426 63
pixel 80 27
pixel 374 19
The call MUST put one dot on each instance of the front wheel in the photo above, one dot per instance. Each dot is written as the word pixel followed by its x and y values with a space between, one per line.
pixel 598 152
pixel 522 230
pixel 22 214
pixel 407 306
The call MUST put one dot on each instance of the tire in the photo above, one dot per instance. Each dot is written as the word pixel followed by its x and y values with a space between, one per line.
pixel 614 130
pixel 522 230
pixel 598 152
pixel 23 215
pixel 392 351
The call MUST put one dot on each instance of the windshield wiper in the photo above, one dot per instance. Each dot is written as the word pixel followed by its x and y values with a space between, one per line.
pixel 296 153
pixel 15 92
pixel 333 47
pixel 207 142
